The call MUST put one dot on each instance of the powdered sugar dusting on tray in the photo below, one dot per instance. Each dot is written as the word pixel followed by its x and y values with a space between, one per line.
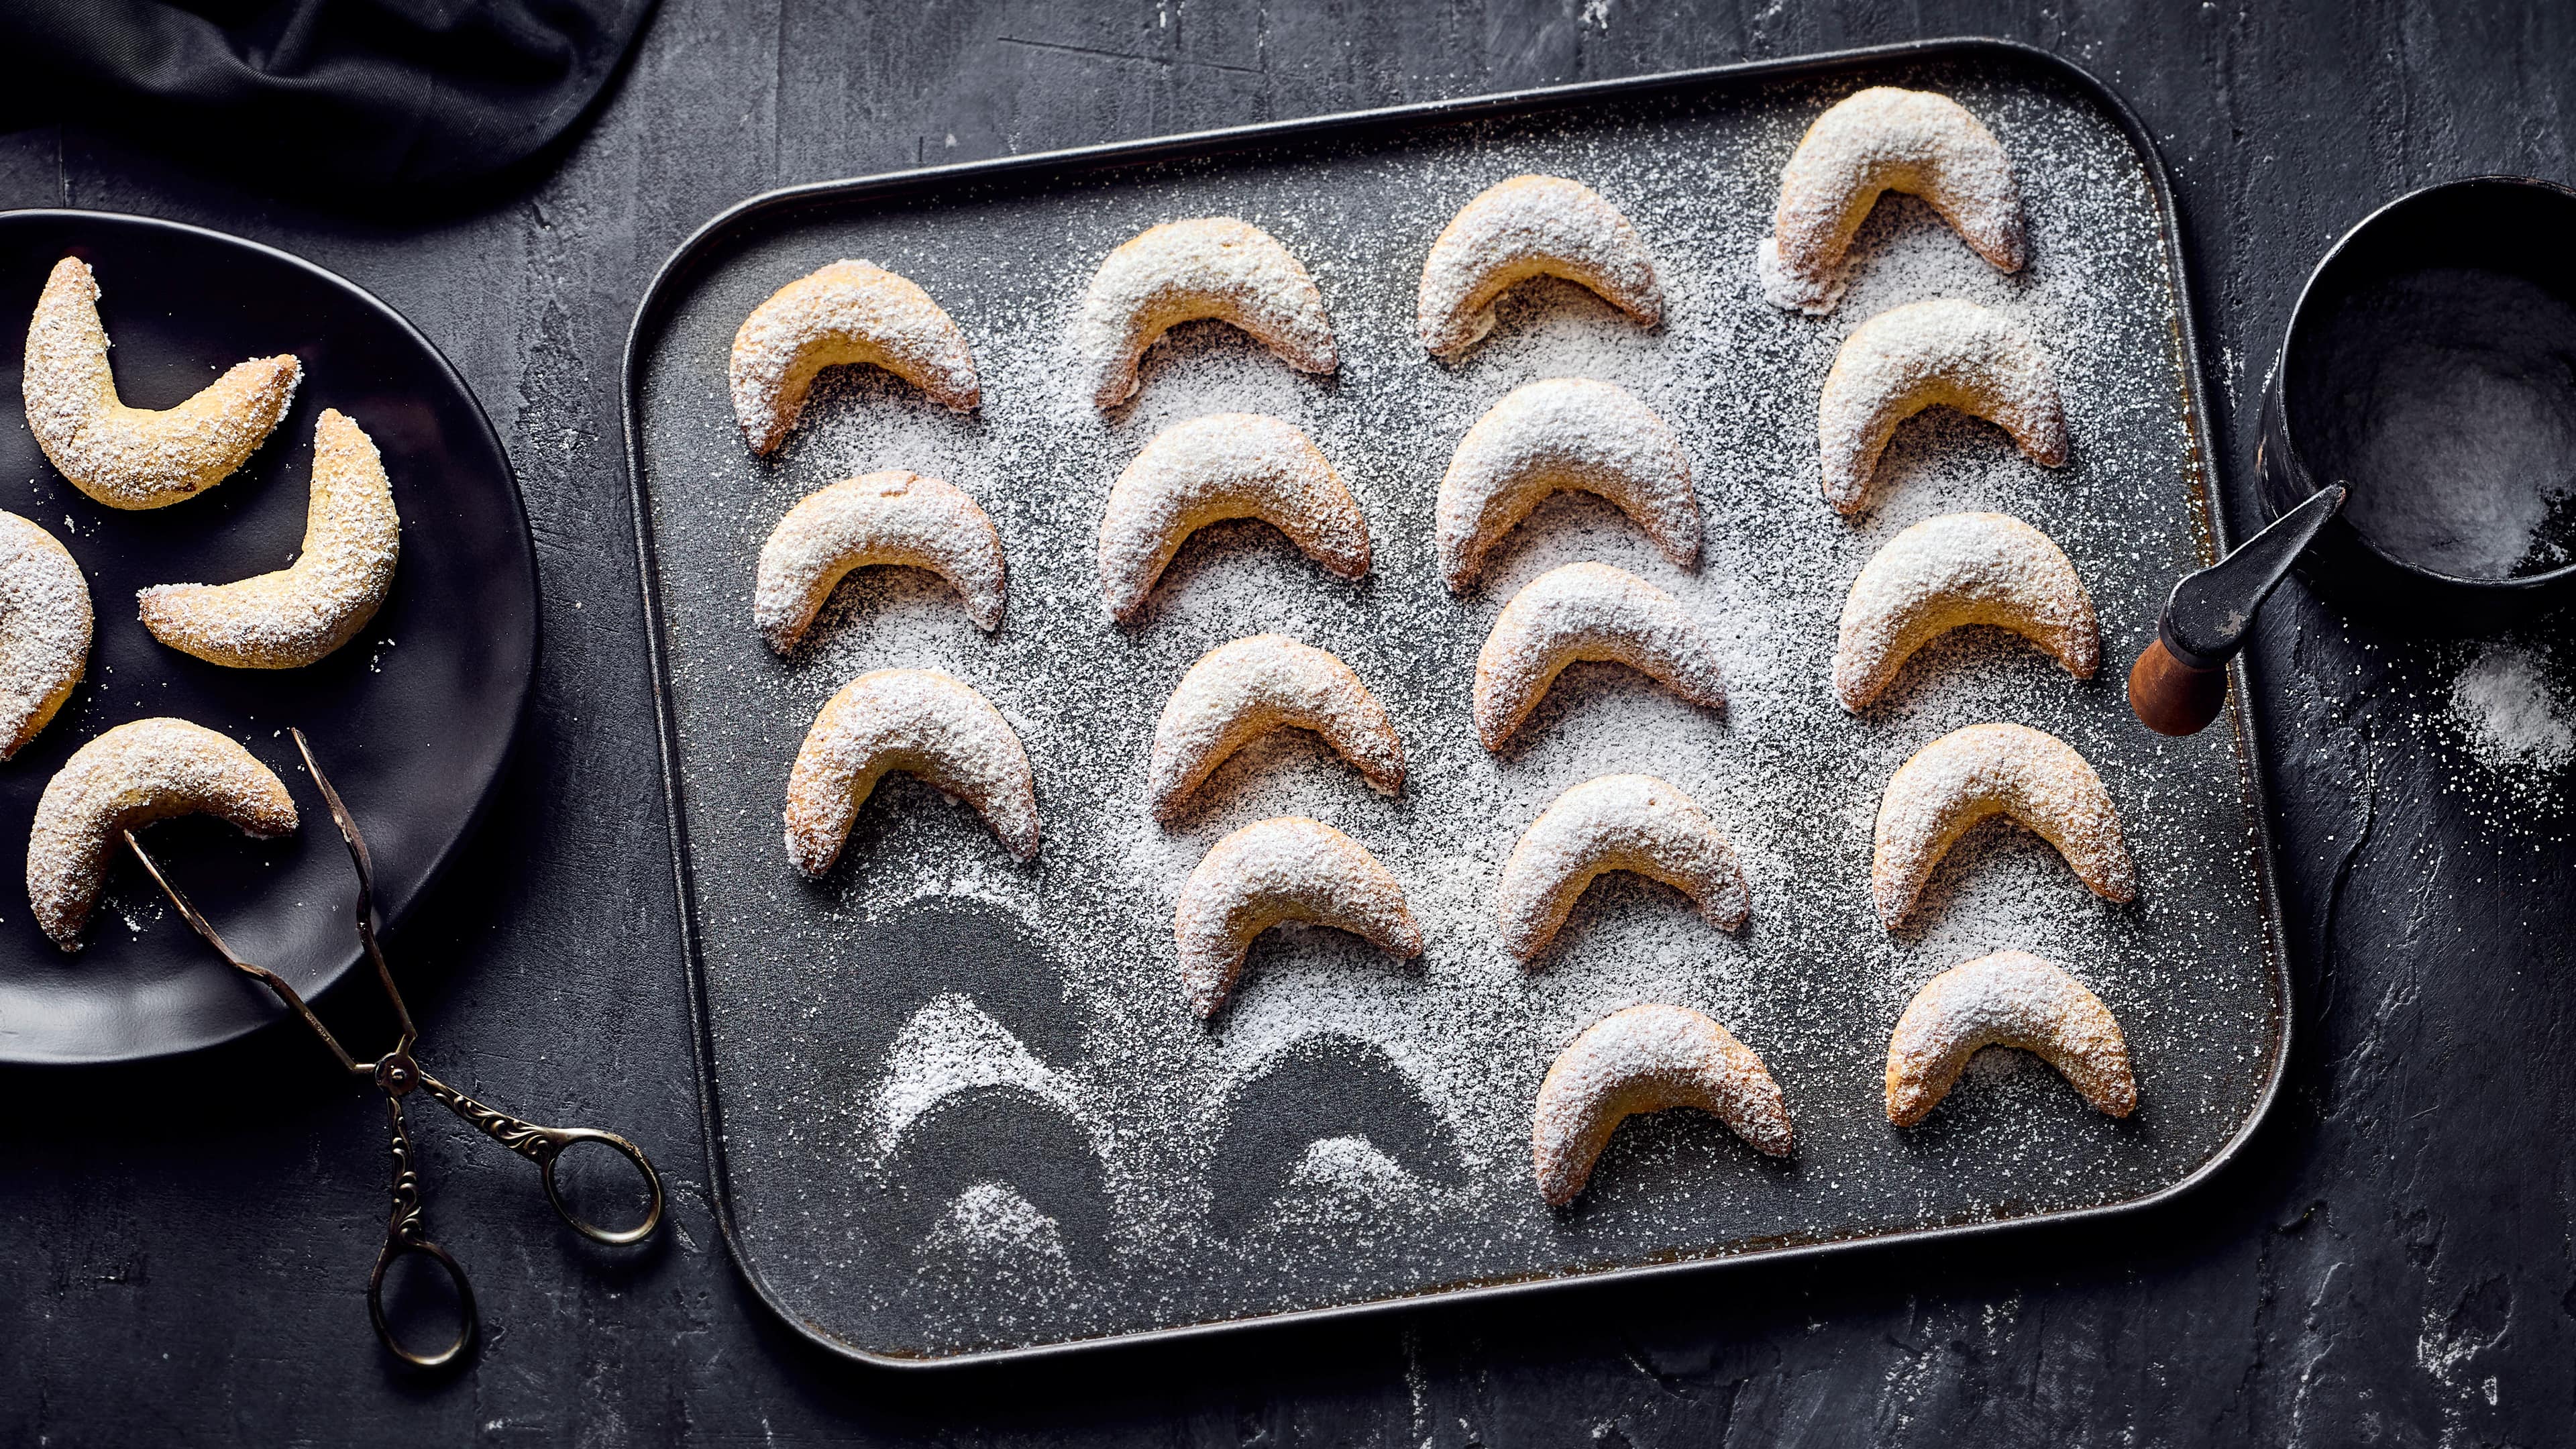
pixel 1165 1150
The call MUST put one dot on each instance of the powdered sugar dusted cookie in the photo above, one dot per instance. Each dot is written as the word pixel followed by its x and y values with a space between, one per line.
pixel 1616 822
pixel 1955 570
pixel 847 312
pixel 1184 271
pixel 1287 869
pixel 2008 999
pixel 1529 226
pixel 1564 432
pixel 1987 769
pixel 1648 1058
pixel 136 457
pixel 1245 689
pixel 1940 353
pixel 44 630
pixel 894 517
pixel 1225 465
pixel 1879 140
pixel 925 724
pixel 136 773
pixel 300 613
pixel 1588 611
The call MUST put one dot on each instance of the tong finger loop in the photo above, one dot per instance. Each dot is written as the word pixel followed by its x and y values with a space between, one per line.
pixel 407 1233
pixel 563 1138
pixel 545 1146
pixel 399 1247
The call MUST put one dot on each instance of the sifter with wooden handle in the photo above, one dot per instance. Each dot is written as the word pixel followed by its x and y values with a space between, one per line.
pixel 2180 681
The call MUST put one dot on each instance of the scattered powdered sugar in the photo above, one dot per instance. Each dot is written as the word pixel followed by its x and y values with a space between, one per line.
pixel 951 1046
pixel 1137 1150
pixel 1524 227
pixel 2515 721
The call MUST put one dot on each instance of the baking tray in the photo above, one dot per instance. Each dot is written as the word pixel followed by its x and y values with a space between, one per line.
pixel 956 1107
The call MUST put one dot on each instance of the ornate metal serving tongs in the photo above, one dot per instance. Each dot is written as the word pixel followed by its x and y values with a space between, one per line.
pixel 396 1073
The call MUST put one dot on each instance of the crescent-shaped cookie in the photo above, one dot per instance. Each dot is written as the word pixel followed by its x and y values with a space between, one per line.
pixel 848 312
pixel 1272 871
pixel 1616 822
pixel 44 630
pixel 128 457
pixel 136 773
pixel 1245 689
pixel 295 616
pixel 1879 140
pixel 1948 572
pixel 1647 1058
pixel 1184 271
pixel 1529 226
pixel 2010 999
pixel 1588 611
pixel 892 517
pixel 925 724
pixel 1987 769
pixel 1564 432
pixel 1940 353
pixel 1206 470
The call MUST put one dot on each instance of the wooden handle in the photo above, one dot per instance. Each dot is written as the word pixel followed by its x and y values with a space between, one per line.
pixel 2171 698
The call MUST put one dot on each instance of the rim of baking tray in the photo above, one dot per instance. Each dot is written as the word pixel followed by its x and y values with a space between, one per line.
pixel 2216 537
pixel 475 818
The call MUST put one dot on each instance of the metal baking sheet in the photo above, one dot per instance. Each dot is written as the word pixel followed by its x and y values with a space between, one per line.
pixel 957 1106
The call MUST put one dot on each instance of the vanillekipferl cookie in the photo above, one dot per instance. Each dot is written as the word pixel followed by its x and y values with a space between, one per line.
pixel 1874 141
pixel 129 457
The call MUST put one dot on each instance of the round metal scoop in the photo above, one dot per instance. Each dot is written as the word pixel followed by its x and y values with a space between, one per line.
pixel 2428 381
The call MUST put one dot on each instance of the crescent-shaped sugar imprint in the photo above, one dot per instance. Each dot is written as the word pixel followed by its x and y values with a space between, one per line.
pixel 2009 999
pixel 1648 1058
pixel 1588 611
pixel 892 517
pixel 1273 871
pixel 1529 226
pixel 1988 769
pixel 925 724
pixel 1246 689
pixel 1955 570
pixel 847 312
pixel 1879 140
pixel 128 457
pixel 1564 432
pixel 136 773
pixel 44 630
pixel 1186 271
pixel 1616 822
pixel 1206 470
pixel 298 614
pixel 1940 353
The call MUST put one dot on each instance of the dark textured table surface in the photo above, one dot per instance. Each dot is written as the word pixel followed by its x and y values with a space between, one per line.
pixel 2393 1261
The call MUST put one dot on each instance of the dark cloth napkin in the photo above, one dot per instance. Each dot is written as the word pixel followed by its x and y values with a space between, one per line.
pixel 382 99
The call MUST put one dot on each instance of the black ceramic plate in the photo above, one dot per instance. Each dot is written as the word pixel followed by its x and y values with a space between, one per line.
pixel 414 718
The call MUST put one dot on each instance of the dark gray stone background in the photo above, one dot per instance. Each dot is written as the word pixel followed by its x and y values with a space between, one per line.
pixel 2393 1260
